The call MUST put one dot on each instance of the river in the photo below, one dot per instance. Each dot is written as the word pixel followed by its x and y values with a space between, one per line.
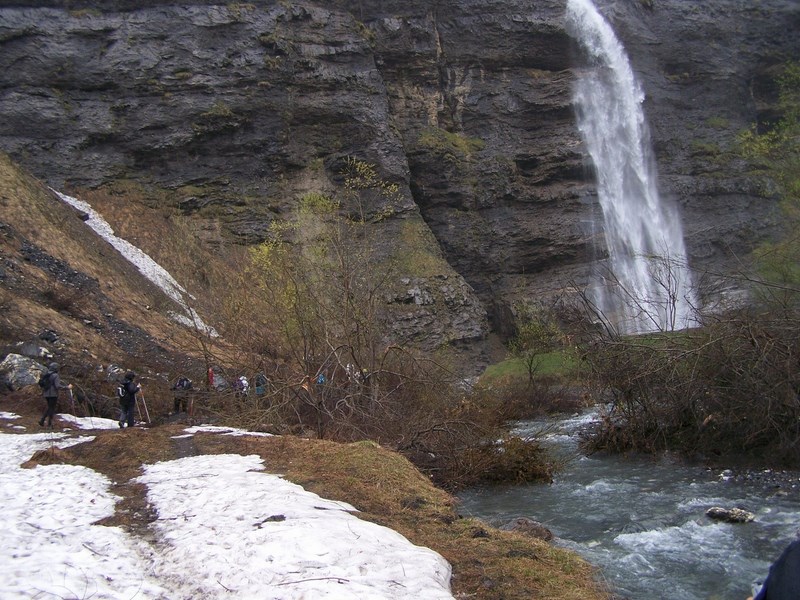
pixel 642 521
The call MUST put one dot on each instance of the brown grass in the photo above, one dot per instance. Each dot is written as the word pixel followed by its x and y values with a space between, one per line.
pixel 109 291
pixel 39 300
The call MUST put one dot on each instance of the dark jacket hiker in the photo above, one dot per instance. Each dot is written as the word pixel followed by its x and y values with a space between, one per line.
pixel 127 391
pixel 783 581
pixel 181 394
pixel 50 382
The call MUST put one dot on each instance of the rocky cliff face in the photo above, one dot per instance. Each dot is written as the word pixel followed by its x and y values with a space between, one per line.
pixel 232 111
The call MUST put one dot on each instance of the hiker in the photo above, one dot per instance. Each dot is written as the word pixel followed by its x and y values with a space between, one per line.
pixel 181 394
pixel 260 383
pixel 783 581
pixel 51 383
pixel 127 399
pixel 242 386
pixel 354 375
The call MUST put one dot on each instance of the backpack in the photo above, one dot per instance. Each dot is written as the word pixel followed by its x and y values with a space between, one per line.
pixel 122 390
pixel 44 380
pixel 183 384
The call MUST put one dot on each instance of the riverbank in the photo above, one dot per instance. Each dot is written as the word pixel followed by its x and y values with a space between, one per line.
pixel 383 486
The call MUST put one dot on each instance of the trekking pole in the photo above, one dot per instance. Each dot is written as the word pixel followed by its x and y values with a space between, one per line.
pixel 138 410
pixel 86 412
pixel 72 401
pixel 144 403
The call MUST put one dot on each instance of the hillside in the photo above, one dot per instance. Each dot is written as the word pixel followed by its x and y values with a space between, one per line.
pixel 60 277
pixel 68 292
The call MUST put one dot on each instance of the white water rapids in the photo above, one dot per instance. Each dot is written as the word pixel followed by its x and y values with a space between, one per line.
pixel 648 285
pixel 642 520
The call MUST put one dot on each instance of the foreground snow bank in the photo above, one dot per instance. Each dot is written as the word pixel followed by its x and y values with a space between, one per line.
pixel 49 546
pixel 224 528
pixel 229 528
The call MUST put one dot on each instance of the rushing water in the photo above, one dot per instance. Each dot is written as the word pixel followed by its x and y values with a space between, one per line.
pixel 649 286
pixel 643 523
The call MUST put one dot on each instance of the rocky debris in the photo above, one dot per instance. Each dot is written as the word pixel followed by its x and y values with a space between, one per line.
pixel 114 373
pixel 32 350
pixel 76 294
pixel 17 371
pixel 782 482
pixel 415 295
pixel 528 527
pixel 730 515
pixel 49 335
pixel 56 268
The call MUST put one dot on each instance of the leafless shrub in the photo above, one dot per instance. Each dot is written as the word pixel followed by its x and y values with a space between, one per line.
pixel 543 395
pixel 730 388
pixel 408 403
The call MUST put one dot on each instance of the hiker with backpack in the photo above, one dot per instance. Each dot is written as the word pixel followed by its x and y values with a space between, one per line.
pixel 126 392
pixel 241 387
pixel 50 382
pixel 261 382
pixel 181 394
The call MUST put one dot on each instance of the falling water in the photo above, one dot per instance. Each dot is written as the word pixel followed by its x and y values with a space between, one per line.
pixel 648 286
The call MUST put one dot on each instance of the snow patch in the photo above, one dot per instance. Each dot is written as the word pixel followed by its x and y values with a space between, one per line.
pixel 225 528
pixel 146 265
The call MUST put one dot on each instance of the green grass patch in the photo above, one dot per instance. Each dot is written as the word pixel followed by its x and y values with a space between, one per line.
pixel 560 364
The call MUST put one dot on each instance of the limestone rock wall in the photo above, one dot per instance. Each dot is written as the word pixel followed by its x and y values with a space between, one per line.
pixel 239 108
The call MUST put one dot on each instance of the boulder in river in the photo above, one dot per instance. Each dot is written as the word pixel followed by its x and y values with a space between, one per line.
pixel 730 515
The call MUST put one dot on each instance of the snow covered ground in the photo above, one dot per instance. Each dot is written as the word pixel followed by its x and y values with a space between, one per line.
pixel 144 263
pixel 225 528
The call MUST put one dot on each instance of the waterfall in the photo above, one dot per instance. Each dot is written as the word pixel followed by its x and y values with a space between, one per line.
pixel 647 285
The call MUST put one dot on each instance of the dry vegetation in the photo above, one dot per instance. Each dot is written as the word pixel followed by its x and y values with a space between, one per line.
pixel 60 276
pixel 726 392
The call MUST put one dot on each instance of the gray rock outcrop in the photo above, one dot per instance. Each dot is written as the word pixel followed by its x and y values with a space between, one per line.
pixel 17 371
